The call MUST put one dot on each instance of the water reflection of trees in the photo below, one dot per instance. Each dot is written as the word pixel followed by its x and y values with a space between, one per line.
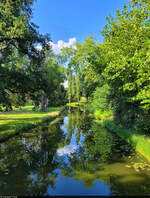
pixel 78 122
pixel 99 147
pixel 27 164
pixel 96 147
pixel 86 159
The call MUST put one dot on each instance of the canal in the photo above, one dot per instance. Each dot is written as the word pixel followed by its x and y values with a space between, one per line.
pixel 75 156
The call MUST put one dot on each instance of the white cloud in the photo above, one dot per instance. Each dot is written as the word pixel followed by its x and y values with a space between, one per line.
pixel 56 47
pixel 65 84
pixel 67 150
pixel 39 47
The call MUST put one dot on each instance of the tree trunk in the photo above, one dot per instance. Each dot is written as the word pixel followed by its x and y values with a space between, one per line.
pixel 43 102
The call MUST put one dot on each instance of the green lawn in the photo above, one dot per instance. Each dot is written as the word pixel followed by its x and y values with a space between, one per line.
pixel 24 118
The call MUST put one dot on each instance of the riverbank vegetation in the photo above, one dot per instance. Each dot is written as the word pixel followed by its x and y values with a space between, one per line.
pixel 114 76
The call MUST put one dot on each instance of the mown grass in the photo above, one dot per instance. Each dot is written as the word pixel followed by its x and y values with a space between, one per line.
pixel 23 119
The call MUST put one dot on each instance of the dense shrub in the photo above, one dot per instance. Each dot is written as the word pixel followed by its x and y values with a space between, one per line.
pixel 99 98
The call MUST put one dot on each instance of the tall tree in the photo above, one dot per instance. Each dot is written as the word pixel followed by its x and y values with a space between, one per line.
pixel 18 33
pixel 127 71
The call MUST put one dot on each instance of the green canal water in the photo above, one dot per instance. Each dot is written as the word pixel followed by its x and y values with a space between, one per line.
pixel 76 156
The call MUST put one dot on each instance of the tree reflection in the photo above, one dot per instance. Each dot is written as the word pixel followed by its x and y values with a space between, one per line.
pixel 84 151
pixel 98 147
pixel 28 164
pixel 98 144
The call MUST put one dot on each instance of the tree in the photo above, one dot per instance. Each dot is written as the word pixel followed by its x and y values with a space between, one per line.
pixel 82 78
pixel 19 38
pixel 88 57
pixel 50 90
pixel 65 58
pixel 127 70
pixel 56 76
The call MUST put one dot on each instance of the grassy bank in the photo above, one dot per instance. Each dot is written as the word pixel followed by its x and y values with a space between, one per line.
pixel 140 142
pixel 24 119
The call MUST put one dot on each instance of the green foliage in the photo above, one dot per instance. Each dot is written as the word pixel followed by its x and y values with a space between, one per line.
pixel 82 78
pixel 20 60
pixel 54 76
pixel 110 75
pixel 97 114
pixel 127 70
pixel 102 116
pixel 99 98
pixel 115 74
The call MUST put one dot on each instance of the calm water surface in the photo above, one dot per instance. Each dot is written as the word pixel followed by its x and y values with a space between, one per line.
pixel 73 157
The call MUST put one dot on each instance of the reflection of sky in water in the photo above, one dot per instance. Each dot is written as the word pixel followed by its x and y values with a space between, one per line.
pixel 73 137
pixel 63 127
pixel 67 150
pixel 67 186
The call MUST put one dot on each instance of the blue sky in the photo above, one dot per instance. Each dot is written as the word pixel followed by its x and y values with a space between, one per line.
pixel 65 19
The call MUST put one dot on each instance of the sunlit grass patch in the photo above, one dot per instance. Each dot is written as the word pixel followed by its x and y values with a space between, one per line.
pixel 73 104
pixel 28 107
pixel 23 119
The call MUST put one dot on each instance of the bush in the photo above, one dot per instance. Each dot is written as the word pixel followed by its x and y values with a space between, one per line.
pixel 99 98
pixel 89 108
pixel 102 116
pixel 97 114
